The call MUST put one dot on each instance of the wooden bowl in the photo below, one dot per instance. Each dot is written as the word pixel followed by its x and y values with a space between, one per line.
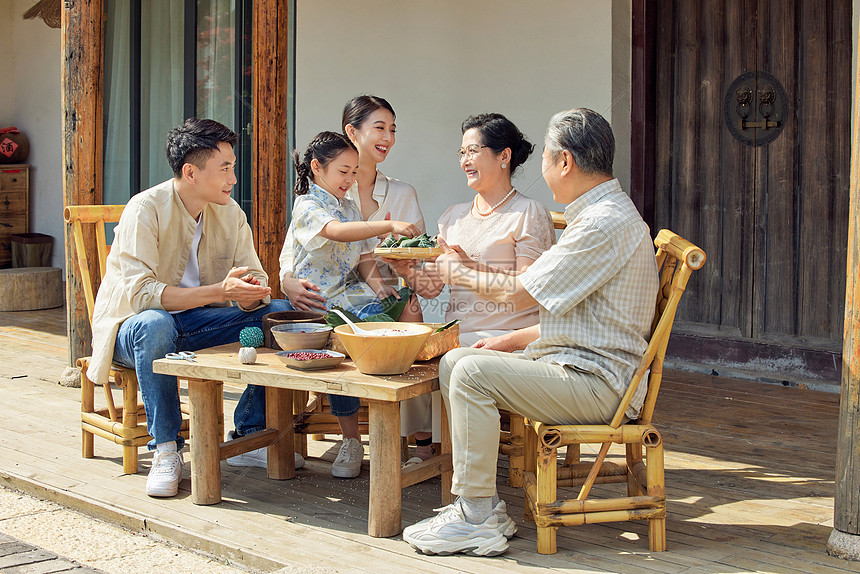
pixel 381 354
pixel 294 336
pixel 287 317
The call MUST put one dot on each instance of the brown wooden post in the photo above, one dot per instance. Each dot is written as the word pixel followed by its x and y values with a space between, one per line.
pixel 83 49
pixel 643 98
pixel 845 538
pixel 270 149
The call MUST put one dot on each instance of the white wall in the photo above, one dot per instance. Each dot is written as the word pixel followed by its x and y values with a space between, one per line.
pixel 7 68
pixel 438 62
pixel 33 105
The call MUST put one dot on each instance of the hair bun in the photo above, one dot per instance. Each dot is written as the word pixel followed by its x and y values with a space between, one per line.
pixel 522 152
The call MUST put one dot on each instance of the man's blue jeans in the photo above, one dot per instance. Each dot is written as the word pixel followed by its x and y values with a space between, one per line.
pixel 153 333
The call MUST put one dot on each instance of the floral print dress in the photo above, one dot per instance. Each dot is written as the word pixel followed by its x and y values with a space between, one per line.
pixel 331 265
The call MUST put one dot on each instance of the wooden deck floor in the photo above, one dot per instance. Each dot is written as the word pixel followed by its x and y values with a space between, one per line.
pixel 750 482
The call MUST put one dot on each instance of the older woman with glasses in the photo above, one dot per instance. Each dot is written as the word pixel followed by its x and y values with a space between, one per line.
pixel 501 229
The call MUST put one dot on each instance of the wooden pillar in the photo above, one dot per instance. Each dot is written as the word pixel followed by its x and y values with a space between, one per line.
pixel 82 74
pixel 642 107
pixel 845 538
pixel 270 149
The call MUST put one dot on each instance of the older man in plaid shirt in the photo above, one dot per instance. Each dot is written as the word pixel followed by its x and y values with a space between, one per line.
pixel 596 290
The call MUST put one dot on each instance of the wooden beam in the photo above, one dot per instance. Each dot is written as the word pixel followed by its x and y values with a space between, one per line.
pixel 82 75
pixel 846 516
pixel 643 109
pixel 270 149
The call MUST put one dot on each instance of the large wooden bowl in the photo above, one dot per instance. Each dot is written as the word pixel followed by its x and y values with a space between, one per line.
pixel 384 355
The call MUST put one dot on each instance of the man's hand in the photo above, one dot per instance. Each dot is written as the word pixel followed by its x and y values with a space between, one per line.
pixel 245 289
pixel 516 340
pixel 460 254
pixel 448 265
pixel 500 343
pixel 250 279
pixel 302 294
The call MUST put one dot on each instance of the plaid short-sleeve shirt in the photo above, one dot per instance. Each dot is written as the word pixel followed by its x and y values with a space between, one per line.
pixel 597 288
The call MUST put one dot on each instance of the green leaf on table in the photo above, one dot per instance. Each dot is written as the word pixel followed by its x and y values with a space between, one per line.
pixel 393 307
pixel 447 325
pixel 332 319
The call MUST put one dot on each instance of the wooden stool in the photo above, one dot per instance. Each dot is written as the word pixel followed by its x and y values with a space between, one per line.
pixel 31 288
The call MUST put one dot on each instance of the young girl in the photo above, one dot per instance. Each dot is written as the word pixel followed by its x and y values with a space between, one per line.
pixel 331 246
pixel 368 122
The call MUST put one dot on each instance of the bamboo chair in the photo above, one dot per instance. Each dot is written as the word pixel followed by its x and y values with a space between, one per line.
pixel 677 258
pixel 512 435
pixel 124 425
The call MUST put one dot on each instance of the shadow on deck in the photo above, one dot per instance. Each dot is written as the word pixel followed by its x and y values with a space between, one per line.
pixel 749 475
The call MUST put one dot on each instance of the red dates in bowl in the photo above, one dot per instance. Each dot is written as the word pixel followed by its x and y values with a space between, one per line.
pixel 307 359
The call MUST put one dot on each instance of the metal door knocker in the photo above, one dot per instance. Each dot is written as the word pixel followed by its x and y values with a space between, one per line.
pixel 755 108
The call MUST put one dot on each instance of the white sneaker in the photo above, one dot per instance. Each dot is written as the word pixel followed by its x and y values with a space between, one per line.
pixel 348 461
pixel 507 526
pixel 165 474
pixel 257 457
pixel 449 532
pixel 412 462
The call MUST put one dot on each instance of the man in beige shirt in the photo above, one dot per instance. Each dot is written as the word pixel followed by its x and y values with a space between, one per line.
pixel 182 275
pixel 595 289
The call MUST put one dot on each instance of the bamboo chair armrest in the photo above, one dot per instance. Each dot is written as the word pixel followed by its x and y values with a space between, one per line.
pixel 554 436
pixel 92 213
pixel 693 256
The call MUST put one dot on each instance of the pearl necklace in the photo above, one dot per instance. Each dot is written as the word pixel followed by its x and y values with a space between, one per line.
pixel 493 208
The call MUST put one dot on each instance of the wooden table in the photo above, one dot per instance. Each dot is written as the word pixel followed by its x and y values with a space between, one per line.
pixel 383 394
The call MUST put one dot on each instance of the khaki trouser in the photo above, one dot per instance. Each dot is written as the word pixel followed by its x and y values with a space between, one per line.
pixel 476 383
pixel 422 414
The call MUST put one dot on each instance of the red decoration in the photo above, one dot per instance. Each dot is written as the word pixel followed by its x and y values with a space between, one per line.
pixel 7 147
pixel 14 146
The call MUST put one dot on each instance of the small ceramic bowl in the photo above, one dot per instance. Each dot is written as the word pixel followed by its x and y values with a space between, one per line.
pixel 284 317
pixel 291 336
pixel 322 359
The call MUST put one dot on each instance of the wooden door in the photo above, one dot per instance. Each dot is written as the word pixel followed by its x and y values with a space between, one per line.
pixel 773 218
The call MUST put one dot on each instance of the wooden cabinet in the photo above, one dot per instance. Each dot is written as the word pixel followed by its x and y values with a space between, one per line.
pixel 14 206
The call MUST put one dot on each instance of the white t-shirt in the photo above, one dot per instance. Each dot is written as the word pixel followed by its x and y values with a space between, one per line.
pixel 191 277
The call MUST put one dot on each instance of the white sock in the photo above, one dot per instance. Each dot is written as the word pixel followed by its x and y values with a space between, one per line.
pixel 166 446
pixel 495 499
pixel 477 509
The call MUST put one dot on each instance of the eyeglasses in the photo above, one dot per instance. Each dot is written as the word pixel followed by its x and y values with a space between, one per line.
pixel 469 152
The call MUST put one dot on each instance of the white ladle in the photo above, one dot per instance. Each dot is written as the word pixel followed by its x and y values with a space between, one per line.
pixel 355 329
